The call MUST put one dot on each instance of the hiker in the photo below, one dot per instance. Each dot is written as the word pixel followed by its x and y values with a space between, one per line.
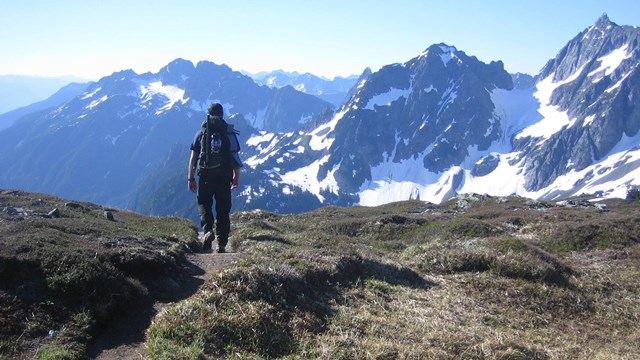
pixel 214 154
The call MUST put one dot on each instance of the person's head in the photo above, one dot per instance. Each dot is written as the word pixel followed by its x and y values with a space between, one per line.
pixel 215 109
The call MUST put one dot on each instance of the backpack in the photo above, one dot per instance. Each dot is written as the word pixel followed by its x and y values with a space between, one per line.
pixel 215 150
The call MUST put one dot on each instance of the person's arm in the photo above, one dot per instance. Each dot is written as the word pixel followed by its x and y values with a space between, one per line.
pixel 236 178
pixel 191 179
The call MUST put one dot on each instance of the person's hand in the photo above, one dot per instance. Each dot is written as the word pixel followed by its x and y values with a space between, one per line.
pixel 193 185
pixel 236 178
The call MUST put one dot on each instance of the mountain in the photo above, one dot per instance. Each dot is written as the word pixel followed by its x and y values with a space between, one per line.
pixel 588 91
pixel 64 94
pixel 445 123
pixel 18 90
pixel 333 90
pixel 402 125
pixel 522 81
pixel 100 146
pixel 440 124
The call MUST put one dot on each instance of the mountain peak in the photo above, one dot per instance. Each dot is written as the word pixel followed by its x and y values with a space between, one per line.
pixel 604 22
pixel 439 49
pixel 446 48
pixel 177 71
pixel 178 64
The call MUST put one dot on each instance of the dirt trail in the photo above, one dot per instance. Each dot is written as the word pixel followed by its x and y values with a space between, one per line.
pixel 126 339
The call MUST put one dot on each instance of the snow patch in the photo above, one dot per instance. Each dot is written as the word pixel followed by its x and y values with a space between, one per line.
pixel 619 83
pixel 448 54
pixel 552 119
pixel 588 120
pixel 265 143
pixel 91 94
pixel 387 98
pixel 610 62
pixel 172 93
pixel 306 178
pixel 397 181
pixel 255 140
pixel 95 103
pixel 320 139
pixel 505 180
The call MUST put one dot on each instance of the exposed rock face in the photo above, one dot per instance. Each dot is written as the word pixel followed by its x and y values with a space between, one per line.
pixel 437 104
pixel 600 101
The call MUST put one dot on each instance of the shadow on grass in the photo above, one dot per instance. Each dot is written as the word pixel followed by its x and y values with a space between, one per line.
pixel 129 328
pixel 395 275
pixel 273 238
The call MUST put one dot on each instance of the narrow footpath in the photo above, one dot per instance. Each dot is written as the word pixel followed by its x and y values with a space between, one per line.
pixel 126 340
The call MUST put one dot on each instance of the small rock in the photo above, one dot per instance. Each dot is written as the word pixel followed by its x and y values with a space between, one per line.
pixel 10 211
pixel 54 213
pixel 463 204
pixel 601 207
pixel 73 205
pixel 109 215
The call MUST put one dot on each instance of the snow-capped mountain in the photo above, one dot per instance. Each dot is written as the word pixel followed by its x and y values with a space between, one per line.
pixel 100 145
pixel 401 129
pixel 440 124
pixel 445 123
pixel 331 90
pixel 587 139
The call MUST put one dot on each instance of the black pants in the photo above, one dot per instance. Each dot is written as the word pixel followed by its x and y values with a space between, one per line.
pixel 215 187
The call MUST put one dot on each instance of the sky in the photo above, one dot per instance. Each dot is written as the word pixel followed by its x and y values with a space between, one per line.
pixel 89 39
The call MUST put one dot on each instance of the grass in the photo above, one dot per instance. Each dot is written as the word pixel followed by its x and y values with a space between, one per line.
pixel 488 278
pixel 65 276
pixel 413 280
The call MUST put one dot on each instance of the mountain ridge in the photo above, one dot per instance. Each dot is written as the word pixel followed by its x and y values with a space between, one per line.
pixel 514 121
pixel 127 122
pixel 331 90
pixel 434 126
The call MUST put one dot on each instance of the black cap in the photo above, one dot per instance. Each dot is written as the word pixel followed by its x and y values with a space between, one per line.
pixel 215 109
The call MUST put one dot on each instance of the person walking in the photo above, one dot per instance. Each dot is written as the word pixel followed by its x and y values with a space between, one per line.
pixel 214 156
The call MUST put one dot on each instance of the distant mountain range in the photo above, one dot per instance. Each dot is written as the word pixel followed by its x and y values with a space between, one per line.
pixel 18 90
pixel 101 144
pixel 437 125
pixel 64 94
pixel 333 91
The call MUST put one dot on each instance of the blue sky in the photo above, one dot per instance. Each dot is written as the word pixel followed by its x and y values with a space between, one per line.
pixel 91 39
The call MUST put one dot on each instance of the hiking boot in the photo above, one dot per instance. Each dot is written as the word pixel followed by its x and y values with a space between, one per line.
pixel 222 243
pixel 208 239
